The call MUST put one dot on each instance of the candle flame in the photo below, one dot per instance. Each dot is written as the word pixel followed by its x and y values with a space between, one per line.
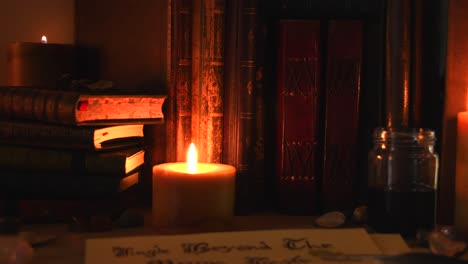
pixel 192 159
pixel 44 40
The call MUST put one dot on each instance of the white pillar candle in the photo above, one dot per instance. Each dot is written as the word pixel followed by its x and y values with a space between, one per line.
pixel 191 193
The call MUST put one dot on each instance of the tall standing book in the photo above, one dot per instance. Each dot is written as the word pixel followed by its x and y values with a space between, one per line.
pixel 261 184
pixel 70 137
pixel 115 163
pixel 208 78
pixel 239 118
pixel 197 78
pixel 342 93
pixel 298 116
pixel 179 130
pixel 75 108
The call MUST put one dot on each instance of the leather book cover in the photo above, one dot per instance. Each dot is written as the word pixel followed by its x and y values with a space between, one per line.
pixel 180 92
pixel 208 78
pixel 77 108
pixel 298 116
pixel 114 163
pixel 98 138
pixel 239 116
pixel 342 94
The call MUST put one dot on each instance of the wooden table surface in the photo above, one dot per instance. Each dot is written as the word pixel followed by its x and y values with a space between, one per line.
pixel 68 247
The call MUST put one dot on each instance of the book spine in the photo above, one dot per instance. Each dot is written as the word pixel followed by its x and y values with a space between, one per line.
pixel 30 159
pixel 170 152
pixel 40 105
pixel 259 180
pixel 208 78
pixel 107 109
pixel 183 79
pixel 297 132
pixel 42 186
pixel 100 164
pixel 342 114
pixel 45 135
pixel 240 100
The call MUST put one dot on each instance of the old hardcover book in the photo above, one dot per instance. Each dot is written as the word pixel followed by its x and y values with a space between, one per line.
pixel 181 89
pixel 298 116
pixel 208 78
pixel 25 186
pixel 239 117
pixel 70 137
pixel 261 184
pixel 75 108
pixel 343 71
pixel 116 163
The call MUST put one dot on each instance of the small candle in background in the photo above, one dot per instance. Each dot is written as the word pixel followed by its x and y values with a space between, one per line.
pixel 191 194
pixel 461 179
pixel 38 64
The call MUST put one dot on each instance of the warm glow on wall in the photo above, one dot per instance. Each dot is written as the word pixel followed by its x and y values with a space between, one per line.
pixel 461 166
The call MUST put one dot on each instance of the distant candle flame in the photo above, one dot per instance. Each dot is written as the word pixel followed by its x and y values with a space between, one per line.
pixel 44 40
pixel 192 157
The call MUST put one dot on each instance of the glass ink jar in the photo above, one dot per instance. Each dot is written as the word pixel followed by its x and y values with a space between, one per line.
pixel 402 181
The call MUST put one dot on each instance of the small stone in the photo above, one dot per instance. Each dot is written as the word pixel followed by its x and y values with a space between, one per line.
pixel 360 215
pixel 440 244
pixel 448 231
pixel 331 219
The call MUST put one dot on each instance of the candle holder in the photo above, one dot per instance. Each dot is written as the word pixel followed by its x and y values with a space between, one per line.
pixel 192 195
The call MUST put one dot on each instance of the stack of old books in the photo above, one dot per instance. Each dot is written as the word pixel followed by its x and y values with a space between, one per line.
pixel 70 144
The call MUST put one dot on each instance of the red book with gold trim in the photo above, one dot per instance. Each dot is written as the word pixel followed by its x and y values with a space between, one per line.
pixel 298 114
pixel 342 91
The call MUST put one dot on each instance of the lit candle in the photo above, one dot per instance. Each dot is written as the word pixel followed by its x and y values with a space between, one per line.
pixel 191 193
pixel 461 179
pixel 39 63
pixel 44 40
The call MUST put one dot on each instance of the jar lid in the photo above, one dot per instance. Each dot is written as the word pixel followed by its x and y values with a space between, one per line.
pixel 407 135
